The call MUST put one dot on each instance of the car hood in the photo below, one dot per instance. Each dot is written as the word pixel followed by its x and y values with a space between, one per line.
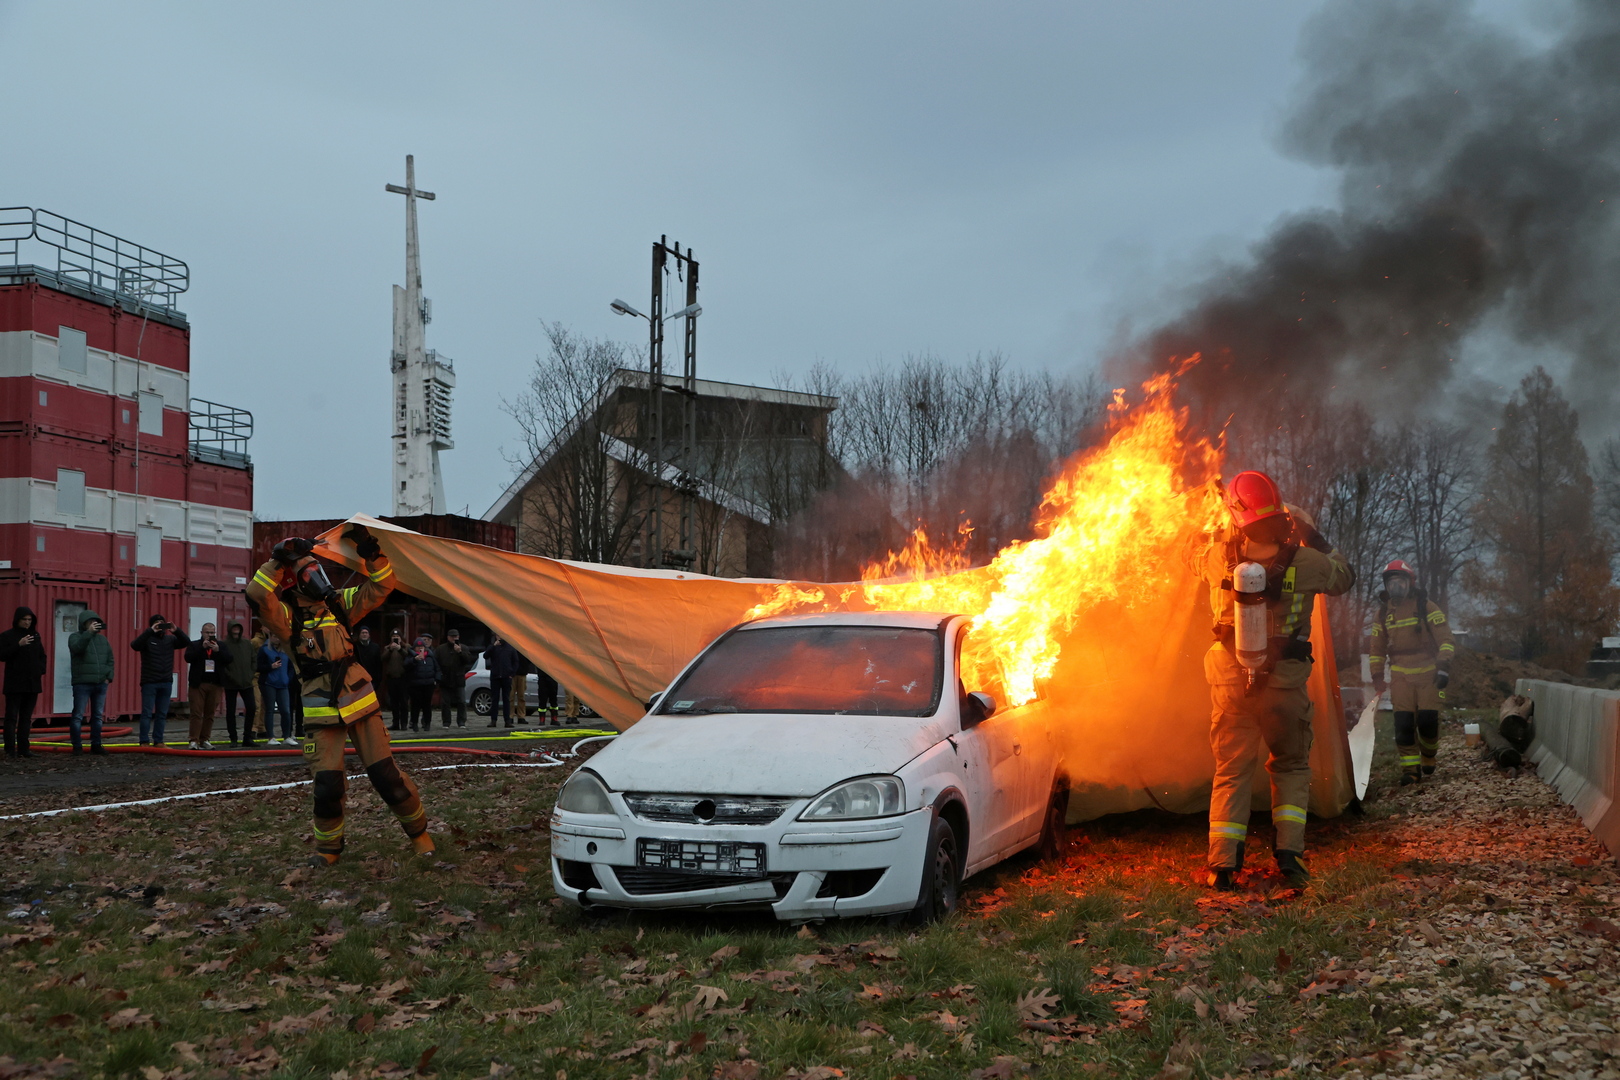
pixel 739 754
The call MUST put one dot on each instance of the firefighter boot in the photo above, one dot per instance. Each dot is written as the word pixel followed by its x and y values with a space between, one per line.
pixel 1428 738
pixel 1289 865
pixel 422 844
pixel 1406 737
pixel 1224 878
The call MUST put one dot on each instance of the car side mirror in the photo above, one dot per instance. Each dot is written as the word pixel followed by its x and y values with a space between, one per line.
pixel 652 702
pixel 977 708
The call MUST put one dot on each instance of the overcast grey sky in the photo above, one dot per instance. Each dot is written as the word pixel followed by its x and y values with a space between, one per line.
pixel 860 181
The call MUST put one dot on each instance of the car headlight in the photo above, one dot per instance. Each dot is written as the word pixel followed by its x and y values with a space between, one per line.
pixel 866 797
pixel 584 794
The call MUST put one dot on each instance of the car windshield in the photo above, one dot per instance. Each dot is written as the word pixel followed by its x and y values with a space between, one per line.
pixel 860 670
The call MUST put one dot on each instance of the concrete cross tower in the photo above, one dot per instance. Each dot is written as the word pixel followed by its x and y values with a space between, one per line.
pixel 423 379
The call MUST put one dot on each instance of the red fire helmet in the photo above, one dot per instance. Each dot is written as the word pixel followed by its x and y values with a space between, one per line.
pixel 1399 567
pixel 1252 497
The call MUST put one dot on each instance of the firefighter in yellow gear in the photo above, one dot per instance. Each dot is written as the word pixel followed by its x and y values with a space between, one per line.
pixel 1268 706
pixel 293 598
pixel 1411 638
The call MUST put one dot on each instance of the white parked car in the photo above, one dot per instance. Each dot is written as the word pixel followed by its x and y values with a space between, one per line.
pixel 819 765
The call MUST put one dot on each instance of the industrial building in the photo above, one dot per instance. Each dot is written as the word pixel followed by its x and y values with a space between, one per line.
pixel 119 492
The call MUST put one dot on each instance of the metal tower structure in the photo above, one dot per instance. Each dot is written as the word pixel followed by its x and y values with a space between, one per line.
pixel 423 380
pixel 676 473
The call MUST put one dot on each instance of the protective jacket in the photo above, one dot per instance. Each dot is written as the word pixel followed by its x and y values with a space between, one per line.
pixel 91 654
pixel 1305 566
pixel 454 664
pixel 236 663
pixel 393 660
pixel 369 656
pixel 25 664
pixel 205 662
pixel 503 661
pixel 157 654
pixel 334 690
pixel 1410 641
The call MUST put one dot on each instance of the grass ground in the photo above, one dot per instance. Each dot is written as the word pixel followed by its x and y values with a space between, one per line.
pixel 187 940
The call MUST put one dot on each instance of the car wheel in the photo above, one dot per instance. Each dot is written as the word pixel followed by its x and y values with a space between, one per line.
pixel 941 876
pixel 1055 828
pixel 482 701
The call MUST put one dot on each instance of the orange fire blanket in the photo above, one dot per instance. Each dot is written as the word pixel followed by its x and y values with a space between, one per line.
pixel 1130 686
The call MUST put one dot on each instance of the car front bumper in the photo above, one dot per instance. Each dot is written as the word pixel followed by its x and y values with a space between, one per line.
pixel 799 857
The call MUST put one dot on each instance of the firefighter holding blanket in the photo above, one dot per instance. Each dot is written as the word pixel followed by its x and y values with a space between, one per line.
pixel 293 598
pixel 1264 573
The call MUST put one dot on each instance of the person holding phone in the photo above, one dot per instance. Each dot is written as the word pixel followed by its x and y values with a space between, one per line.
pixel 421 676
pixel 24 656
pixel 157 645
pixel 92 673
pixel 394 657
pixel 205 663
pixel 275 679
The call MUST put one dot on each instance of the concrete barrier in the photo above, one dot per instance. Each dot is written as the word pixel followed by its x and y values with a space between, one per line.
pixel 1577 751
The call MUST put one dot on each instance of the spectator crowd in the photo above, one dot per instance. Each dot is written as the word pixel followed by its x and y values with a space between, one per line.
pixel 254 680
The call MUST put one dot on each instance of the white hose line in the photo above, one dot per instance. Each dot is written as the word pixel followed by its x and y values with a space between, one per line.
pixel 548 764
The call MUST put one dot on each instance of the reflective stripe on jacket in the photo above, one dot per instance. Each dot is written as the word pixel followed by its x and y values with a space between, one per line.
pixel 1408 644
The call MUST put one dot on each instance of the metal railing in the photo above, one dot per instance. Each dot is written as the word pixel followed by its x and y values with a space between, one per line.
pixel 220 433
pixel 86 255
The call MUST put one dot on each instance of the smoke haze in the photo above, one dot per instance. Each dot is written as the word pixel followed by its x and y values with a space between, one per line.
pixel 1476 232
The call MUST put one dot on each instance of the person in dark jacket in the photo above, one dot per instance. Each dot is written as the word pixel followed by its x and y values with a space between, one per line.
pixel 205 663
pixel 394 657
pixel 157 645
pixel 24 655
pixel 368 654
pixel 275 679
pixel 504 662
pixel 455 660
pixel 91 668
pixel 421 676
pixel 237 671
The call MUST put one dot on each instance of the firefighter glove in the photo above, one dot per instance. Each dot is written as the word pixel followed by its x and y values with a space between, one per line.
pixel 1441 678
pixel 365 545
pixel 292 549
pixel 1378 687
pixel 1314 538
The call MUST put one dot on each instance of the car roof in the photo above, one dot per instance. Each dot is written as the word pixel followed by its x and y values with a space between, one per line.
pixel 930 620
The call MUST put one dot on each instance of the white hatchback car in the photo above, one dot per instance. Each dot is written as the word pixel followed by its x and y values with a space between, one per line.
pixel 821 766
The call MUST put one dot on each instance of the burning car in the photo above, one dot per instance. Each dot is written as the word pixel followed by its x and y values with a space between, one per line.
pixel 820 766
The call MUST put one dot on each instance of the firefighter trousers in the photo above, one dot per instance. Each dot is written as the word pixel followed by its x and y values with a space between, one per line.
pixel 1417 703
pixel 323 749
pixel 1280 721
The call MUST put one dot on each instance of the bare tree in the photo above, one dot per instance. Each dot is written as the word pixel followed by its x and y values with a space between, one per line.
pixel 945 447
pixel 1550 581
pixel 1436 475
pixel 1607 477
pixel 586 499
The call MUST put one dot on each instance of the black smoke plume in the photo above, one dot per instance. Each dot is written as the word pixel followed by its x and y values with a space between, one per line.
pixel 1478 210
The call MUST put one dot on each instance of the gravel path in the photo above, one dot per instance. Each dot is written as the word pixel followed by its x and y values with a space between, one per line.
pixel 1510 951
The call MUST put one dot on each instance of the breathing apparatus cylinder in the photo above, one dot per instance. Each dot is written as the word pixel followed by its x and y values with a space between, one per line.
pixel 1249 617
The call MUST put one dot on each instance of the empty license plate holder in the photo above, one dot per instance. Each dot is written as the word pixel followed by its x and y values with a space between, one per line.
pixel 701 856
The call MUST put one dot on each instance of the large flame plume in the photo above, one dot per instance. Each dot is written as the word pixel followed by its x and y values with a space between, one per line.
pixel 1113 528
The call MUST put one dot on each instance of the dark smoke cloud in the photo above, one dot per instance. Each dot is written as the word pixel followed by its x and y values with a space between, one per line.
pixel 1480 197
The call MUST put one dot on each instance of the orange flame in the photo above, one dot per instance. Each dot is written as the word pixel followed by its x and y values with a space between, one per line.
pixel 1112 528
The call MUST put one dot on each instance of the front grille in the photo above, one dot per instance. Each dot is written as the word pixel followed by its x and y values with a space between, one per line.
pixel 643 881
pixel 707 809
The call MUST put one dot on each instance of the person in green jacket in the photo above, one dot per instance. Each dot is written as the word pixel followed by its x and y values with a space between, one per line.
pixel 91 671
